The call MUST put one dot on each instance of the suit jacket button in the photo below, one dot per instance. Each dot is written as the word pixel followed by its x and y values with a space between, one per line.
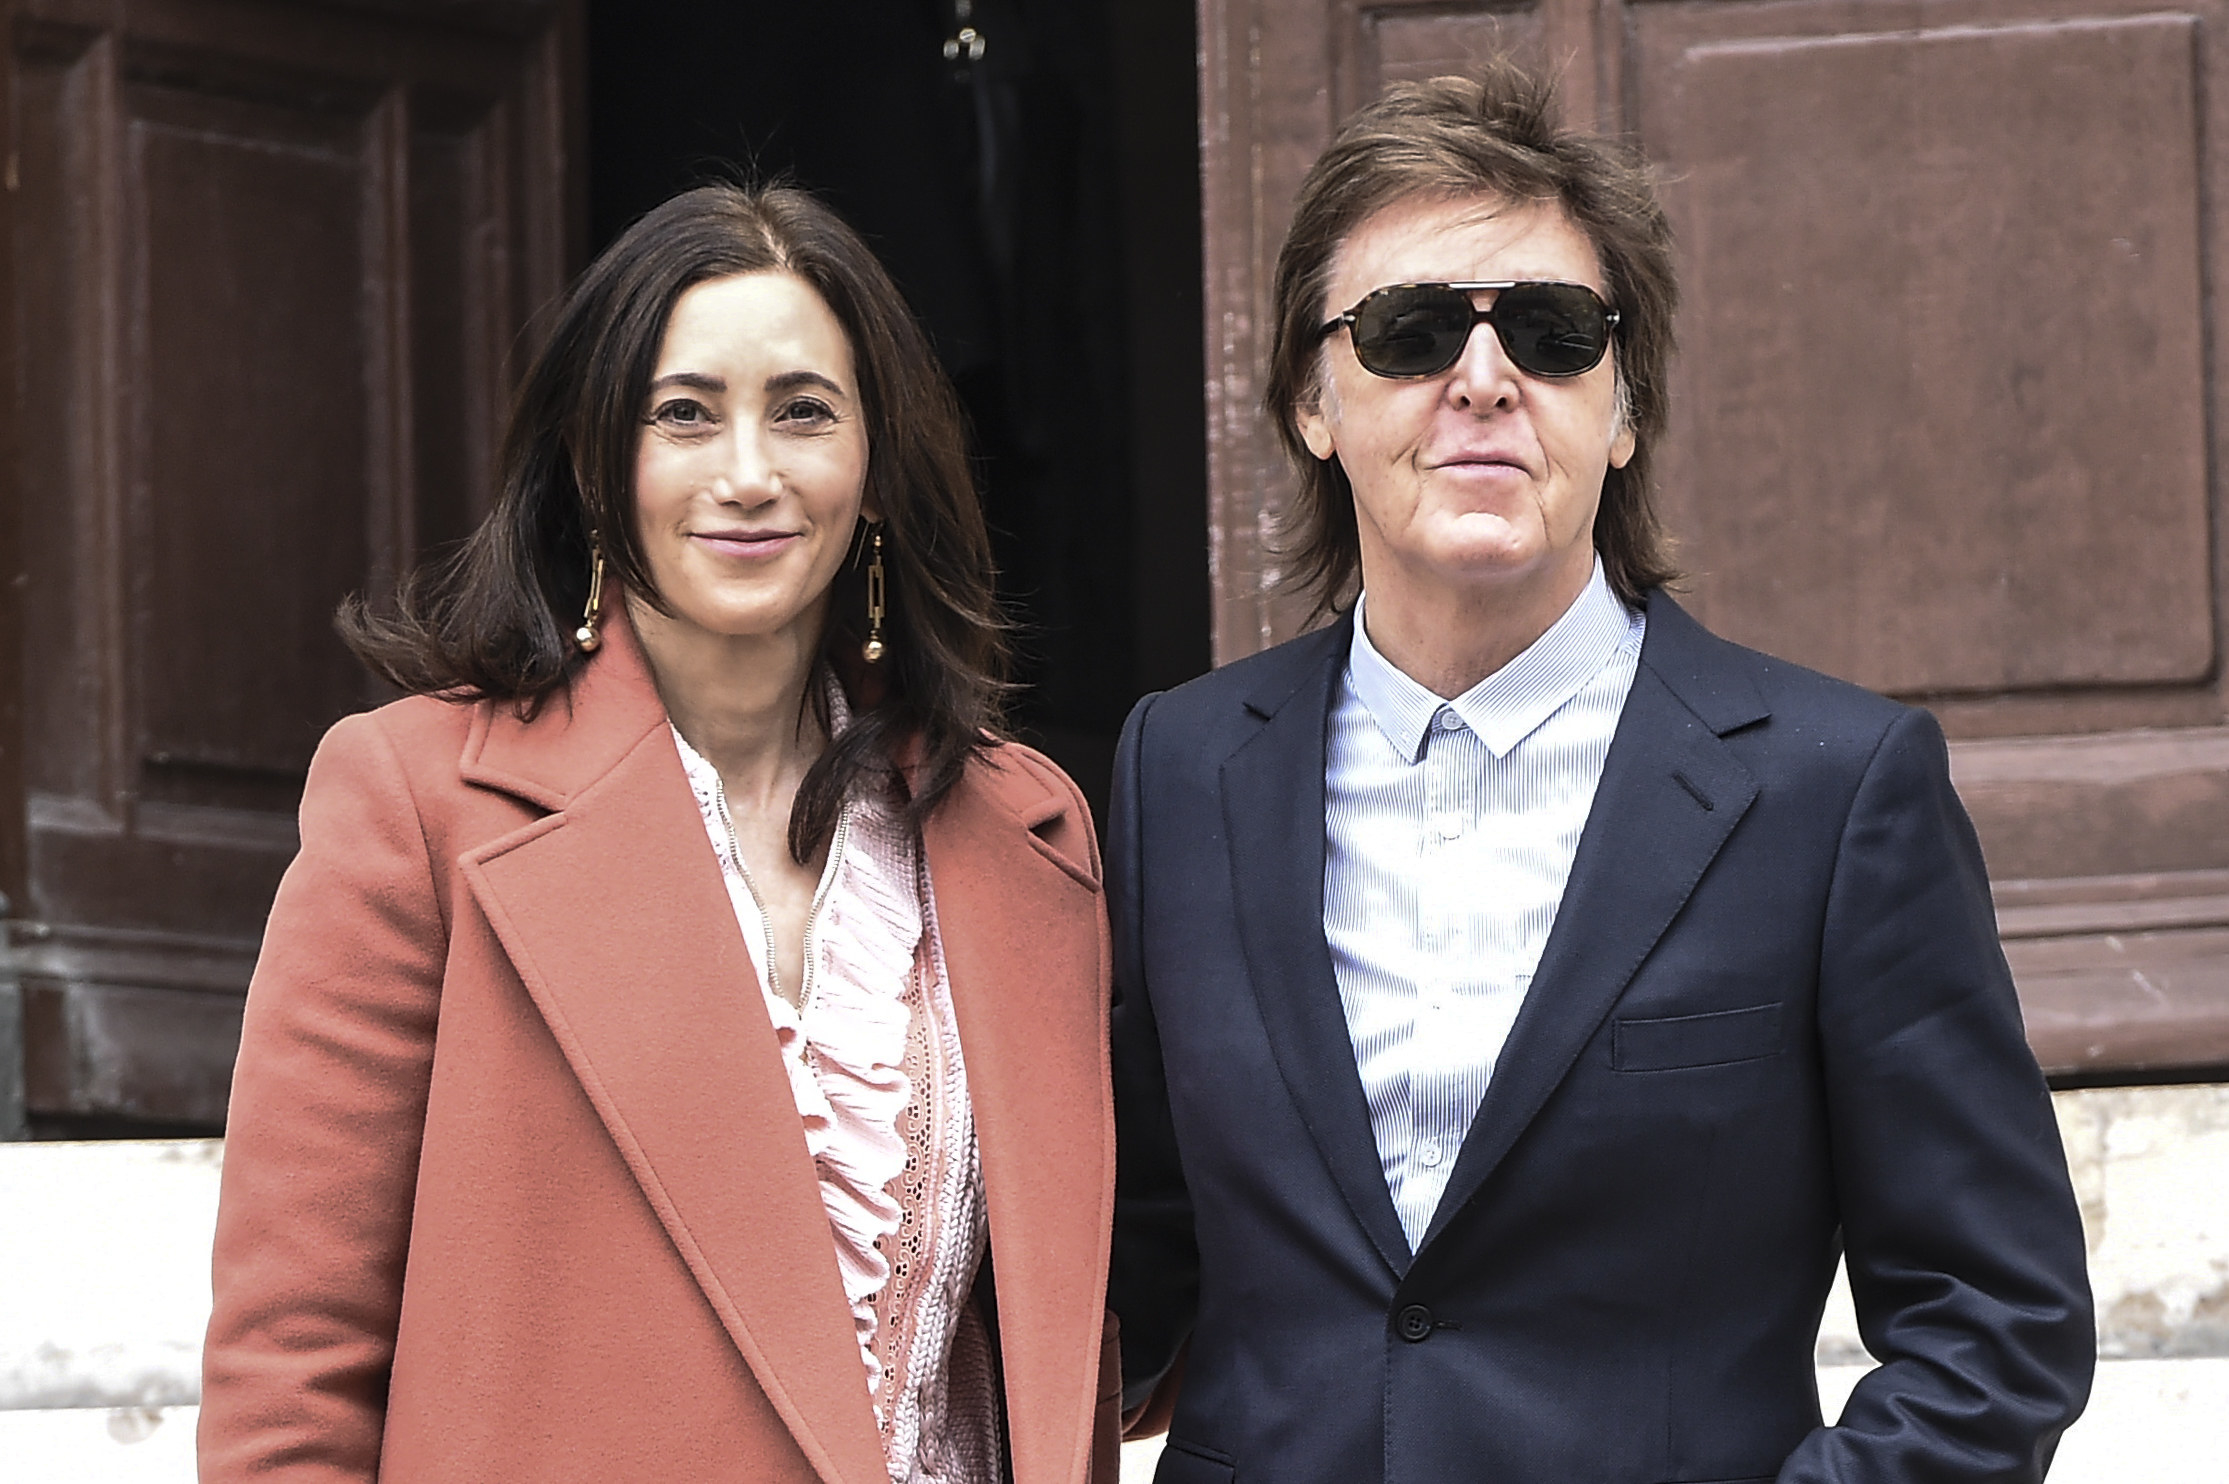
pixel 1413 1323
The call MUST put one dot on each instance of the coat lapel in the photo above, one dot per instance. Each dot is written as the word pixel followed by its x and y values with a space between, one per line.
pixel 1273 817
pixel 1671 793
pixel 1018 912
pixel 613 912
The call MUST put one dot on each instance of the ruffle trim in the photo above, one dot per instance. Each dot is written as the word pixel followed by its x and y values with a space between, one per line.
pixel 845 1052
pixel 849 1047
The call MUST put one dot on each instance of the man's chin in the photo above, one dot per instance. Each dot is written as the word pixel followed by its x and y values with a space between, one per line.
pixel 1501 572
pixel 1493 559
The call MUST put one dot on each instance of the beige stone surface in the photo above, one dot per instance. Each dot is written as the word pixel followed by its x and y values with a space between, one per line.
pixel 104 1272
pixel 98 1445
pixel 2151 1168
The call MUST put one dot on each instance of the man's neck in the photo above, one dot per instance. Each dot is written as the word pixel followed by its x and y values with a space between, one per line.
pixel 1448 639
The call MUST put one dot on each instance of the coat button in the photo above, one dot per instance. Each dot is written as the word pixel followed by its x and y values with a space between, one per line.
pixel 1413 1323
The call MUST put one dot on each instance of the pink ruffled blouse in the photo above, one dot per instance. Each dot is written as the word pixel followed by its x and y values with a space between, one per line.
pixel 873 1056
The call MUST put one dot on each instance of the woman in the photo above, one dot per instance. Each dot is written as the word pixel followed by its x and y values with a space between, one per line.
pixel 682 1006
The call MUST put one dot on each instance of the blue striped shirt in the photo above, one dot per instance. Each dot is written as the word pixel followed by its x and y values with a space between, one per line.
pixel 1449 831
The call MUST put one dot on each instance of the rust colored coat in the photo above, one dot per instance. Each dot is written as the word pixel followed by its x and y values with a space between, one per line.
pixel 515 1189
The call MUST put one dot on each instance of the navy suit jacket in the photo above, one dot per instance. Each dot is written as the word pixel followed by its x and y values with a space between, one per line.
pixel 1772 1025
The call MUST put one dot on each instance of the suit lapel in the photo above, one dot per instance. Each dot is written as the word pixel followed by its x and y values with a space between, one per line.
pixel 1671 793
pixel 1273 816
pixel 1023 935
pixel 613 913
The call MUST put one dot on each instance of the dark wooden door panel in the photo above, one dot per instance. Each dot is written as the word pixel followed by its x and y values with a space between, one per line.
pixel 1942 427
pixel 1944 414
pixel 253 507
pixel 1375 42
pixel 2110 854
pixel 1955 311
pixel 271 262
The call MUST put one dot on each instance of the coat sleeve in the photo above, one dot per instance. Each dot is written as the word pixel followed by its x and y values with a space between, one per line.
pixel 1962 1235
pixel 1154 1284
pixel 327 1115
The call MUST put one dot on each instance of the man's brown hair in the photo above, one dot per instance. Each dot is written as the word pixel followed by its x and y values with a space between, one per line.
pixel 1455 137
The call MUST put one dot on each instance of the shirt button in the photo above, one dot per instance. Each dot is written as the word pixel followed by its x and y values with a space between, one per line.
pixel 1428 1154
pixel 1450 826
pixel 1413 1323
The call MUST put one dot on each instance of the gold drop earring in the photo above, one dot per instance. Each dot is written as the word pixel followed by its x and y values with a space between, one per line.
pixel 874 649
pixel 586 636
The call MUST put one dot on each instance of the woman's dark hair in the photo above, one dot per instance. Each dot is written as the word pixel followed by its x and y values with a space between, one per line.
pixel 1453 137
pixel 494 621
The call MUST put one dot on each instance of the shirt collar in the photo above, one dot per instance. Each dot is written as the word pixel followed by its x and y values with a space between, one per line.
pixel 1510 704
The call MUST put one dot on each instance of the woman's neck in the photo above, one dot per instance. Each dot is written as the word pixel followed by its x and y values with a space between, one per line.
pixel 739 701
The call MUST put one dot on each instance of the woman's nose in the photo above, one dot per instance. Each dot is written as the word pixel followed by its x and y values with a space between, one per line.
pixel 747 474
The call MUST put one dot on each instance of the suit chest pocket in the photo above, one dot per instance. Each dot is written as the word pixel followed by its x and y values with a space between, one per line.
pixel 1679 1041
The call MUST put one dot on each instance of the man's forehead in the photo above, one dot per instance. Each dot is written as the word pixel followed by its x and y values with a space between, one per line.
pixel 1436 237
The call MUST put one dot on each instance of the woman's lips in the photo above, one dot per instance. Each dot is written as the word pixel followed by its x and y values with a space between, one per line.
pixel 745 545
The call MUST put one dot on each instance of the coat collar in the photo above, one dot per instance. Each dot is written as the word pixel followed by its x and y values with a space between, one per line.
pixel 613 912
pixel 580 734
pixel 1670 794
pixel 1273 818
pixel 1017 887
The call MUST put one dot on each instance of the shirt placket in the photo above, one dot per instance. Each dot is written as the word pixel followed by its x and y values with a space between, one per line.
pixel 1433 1080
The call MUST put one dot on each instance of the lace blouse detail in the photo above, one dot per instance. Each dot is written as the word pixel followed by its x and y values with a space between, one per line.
pixel 874 1065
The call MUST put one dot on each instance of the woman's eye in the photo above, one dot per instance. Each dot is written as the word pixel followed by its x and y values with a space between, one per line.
pixel 682 412
pixel 808 410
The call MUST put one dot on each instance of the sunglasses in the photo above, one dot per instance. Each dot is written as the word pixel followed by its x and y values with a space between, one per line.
pixel 1409 330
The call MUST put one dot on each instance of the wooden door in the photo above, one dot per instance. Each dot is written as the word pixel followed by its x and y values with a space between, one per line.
pixel 267 266
pixel 1946 418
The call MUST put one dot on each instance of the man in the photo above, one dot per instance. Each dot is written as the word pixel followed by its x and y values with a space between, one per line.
pixel 1523 996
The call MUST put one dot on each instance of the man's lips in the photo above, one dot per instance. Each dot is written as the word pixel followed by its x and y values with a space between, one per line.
pixel 1479 461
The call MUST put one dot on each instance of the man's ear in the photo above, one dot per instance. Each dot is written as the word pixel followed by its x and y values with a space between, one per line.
pixel 1315 428
pixel 1621 447
pixel 1622 441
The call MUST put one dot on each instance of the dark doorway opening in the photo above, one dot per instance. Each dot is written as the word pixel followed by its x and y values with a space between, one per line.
pixel 1028 169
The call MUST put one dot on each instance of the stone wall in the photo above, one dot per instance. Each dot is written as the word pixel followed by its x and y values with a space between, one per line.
pixel 2151 1167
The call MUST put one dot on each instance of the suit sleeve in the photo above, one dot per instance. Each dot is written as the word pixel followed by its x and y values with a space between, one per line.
pixel 327 1116
pixel 1153 1287
pixel 1962 1235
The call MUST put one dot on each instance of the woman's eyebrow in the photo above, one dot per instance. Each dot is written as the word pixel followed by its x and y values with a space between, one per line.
pixel 696 381
pixel 789 381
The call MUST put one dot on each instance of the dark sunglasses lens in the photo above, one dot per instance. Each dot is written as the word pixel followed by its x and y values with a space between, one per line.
pixel 1411 332
pixel 1552 329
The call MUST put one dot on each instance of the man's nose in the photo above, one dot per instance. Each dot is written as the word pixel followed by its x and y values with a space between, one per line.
pixel 1483 376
